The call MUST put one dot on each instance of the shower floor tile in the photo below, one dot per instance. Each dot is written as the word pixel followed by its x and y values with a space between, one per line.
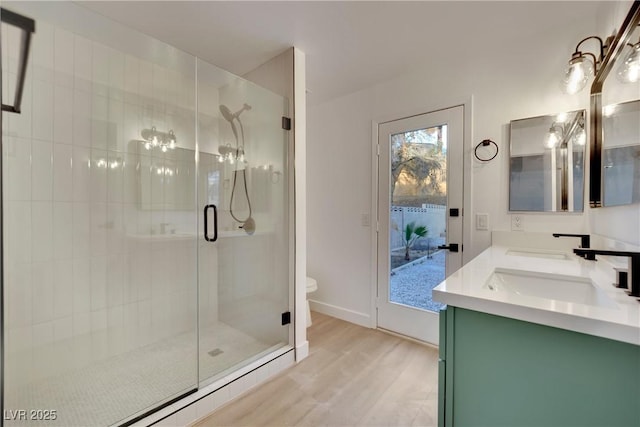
pixel 106 392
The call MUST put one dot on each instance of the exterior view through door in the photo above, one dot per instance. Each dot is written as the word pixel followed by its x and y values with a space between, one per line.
pixel 420 180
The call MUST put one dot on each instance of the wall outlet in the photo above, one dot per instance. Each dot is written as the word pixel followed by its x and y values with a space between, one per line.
pixel 517 223
pixel 482 221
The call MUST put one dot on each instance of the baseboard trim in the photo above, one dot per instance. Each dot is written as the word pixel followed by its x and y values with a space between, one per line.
pixel 341 313
pixel 302 351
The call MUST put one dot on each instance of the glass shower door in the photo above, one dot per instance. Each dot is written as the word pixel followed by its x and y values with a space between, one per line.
pixel 243 172
pixel 100 219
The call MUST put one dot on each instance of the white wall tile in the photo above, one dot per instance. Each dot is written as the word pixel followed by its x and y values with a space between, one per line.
pixel 63 288
pixel 63 328
pixel 18 232
pixel 99 118
pixel 145 82
pixel 62 230
pixel 115 177
pixel 19 296
pixel 115 281
pixel 98 320
pixel 18 163
pixel 82 103
pixel 63 57
pixel 115 317
pixel 131 79
pixel 42 284
pixel 63 114
pixel 42 231
pixel 115 120
pixel 42 333
pixel 132 126
pixel 81 230
pixel 130 179
pixel 98 283
pixel 19 339
pixel 116 74
pixel 81 174
pixel 81 324
pixel 42 53
pixel 98 179
pixel 100 69
pixel 99 226
pixel 41 170
pixel 81 285
pixel 82 64
pixel 114 229
pixel 62 172
pixel 42 127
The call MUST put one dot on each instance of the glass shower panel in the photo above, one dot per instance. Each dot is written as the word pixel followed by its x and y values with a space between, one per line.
pixel 100 212
pixel 243 171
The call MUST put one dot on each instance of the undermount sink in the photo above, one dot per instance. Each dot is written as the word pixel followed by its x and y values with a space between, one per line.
pixel 537 253
pixel 573 289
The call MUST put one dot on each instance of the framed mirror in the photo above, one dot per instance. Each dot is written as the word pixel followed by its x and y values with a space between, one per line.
pixel 621 153
pixel 546 163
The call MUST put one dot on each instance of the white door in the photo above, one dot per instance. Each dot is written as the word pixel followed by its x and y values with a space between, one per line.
pixel 420 180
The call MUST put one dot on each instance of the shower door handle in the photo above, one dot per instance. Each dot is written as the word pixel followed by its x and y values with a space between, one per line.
pixel 215 223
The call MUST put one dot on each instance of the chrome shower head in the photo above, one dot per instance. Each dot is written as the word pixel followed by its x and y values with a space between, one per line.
pixel 226 113
pixel 230 117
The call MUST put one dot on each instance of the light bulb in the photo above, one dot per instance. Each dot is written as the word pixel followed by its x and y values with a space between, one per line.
pixel 552 140
pixel 609 110
pixel 147 145
pixel 154 142
pixel 629 71
pixel 164 148
pixel 577 74
pixel 220 159
pixel 172 144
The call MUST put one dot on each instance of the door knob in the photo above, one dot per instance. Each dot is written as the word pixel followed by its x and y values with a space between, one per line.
pixel 453 247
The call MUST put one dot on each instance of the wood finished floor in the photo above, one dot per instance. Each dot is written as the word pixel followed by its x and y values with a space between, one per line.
pixel 354 376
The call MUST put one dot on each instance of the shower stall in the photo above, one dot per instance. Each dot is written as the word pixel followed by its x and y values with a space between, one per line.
pixel 148 232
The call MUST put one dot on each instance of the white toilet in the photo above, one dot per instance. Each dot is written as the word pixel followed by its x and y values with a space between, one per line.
pixel 312 286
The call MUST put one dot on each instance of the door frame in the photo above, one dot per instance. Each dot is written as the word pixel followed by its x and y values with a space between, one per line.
pixel 467 139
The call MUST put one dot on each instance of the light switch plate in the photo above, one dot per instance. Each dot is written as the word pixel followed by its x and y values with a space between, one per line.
pixel 365 220
pixel 482 221
pixel 517 223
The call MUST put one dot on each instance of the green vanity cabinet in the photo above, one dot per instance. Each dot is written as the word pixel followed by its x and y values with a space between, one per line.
pixel 496 371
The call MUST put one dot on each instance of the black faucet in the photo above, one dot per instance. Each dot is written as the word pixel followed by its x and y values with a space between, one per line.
pixel 585 240
pixel 633 274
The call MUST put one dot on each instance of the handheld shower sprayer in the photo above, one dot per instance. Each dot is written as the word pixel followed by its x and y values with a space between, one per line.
pixel 248 224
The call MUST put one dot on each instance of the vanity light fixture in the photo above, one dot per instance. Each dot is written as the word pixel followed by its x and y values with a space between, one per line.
pixel 564 130
pixel 629 70
pixel 554 136
pixel 584 65
pixel 153 138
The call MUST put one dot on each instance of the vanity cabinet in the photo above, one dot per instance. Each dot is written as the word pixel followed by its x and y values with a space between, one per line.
pixel 496 371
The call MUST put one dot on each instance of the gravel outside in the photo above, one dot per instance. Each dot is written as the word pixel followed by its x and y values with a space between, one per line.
pixel 412 284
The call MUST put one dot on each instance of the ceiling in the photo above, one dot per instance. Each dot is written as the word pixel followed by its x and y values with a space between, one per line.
pixel 348 45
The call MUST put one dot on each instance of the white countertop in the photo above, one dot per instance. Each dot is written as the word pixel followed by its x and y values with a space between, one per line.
pixel 467 288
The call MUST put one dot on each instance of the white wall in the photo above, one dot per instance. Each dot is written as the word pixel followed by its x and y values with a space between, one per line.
pixel 503 82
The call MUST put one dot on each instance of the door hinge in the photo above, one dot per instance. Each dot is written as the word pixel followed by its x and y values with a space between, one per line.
pixel 286 123
pixel 286 318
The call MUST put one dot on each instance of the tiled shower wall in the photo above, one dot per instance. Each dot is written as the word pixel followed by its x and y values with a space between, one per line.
pixel 88 273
